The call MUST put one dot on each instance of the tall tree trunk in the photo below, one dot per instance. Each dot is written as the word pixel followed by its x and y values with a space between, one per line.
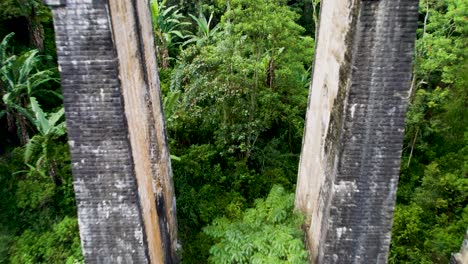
pixel 270 73
pixel 52 168
pixel 165 57
pixel 23 133
pixel 162 51
pixel 35 28
pixel 36 33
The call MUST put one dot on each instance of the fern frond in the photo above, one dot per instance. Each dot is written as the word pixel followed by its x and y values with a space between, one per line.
pixel 28 62
pixel 55 117
pixel 41 122
pixel 59 130
pixel 32 147
pixel 3 47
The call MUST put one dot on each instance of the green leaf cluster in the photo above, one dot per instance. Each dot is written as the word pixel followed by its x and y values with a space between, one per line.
pixel 59 245
pixel 268 233
pixel 235 103
pixel 38 222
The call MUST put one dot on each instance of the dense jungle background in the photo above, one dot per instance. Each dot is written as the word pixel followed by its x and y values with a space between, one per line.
pixel 235 77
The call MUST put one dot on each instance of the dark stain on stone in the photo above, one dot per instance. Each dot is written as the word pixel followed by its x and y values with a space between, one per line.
pixel 163 227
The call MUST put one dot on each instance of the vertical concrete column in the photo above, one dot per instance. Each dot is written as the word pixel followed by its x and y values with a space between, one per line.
pixel 353 136
pixel 121 162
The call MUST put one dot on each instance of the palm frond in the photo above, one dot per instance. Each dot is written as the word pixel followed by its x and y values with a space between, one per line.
pixel 38 78
pixel 46 94
pixel 34 144
pixel 36 169
pixel 7 76
pixel 42 124
pixel 154 5
pixel 60 129
pixel 4 46
pixel 24 112
pixel 168 10
pixel 27 62
pixel 205 33
pixel 55 117
pixel 170 103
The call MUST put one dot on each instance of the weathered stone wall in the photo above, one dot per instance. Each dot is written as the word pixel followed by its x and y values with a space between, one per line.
pixel 121 163
pixel 350 159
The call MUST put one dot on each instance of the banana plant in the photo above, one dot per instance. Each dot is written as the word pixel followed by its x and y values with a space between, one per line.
pixel 205 32
pixel 19 80
pixel 167 24
pixel 50 128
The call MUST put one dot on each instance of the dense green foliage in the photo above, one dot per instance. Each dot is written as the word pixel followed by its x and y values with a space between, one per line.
pixel 235 76
pixel 38 221
pixel 268 233
pixel 432 206
pixel 236 119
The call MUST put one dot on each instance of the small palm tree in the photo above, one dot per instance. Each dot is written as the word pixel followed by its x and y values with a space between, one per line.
pixel 166 24
pixel 50 127
pixel 204 33
pixel 19 80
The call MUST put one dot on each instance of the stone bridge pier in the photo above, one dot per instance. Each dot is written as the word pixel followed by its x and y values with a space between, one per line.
pixel 350 159
pixel 121 163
